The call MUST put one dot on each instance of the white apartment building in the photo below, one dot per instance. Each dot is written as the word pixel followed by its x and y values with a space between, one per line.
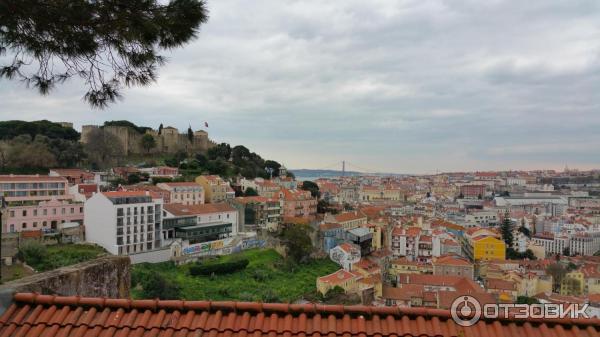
pixel 553 244
pixel 124 222
pixel 482 219
pixel 187 193
pixel 585 243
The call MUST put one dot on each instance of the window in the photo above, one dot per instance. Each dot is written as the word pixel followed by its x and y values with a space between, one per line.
pixel 62 211
pixel 45 212
pixel 72 210
pixel 24 212
pixel 24 225
pixel 12 214
pixel 35 212
pixel 54 211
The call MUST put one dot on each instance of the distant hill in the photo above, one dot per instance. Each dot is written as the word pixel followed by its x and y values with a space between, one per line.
pixel 308 174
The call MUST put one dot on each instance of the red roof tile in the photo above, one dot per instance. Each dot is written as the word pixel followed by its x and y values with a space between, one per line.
pixel 48 315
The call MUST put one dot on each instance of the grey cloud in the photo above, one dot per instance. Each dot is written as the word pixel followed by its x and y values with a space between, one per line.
pixel 406 86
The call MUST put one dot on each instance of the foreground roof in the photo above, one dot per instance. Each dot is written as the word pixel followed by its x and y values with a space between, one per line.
pixel 49 315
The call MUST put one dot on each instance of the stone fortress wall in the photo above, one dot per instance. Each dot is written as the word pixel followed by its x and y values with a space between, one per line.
pixel 169 141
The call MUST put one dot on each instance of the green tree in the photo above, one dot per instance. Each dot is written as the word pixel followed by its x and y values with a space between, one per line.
pixel 525 231
pixel 527 300
pixel 296 239
pixel 148 142
pixel 506 230
pixel 308 185
pixel 103 149
pixel 34 254
pixel 12 129
pixel 201 159
pixel 558 272
pixel 108 44
pixel 250 192
pixel 190 134
pixel 155 285
pixel 222 151
pixel 133 179
pixel 273 165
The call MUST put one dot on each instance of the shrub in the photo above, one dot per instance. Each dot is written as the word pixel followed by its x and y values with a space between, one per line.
pixel 219 268
pixel 157 286
pixel 34 254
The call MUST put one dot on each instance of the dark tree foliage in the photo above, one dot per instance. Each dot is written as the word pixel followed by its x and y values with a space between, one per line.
pixel 250 192
pixel 297 241
pixel 12 129
pixel 160 127
pixel 222 151
pixel 273 165
pixel 525 231
pixel 219 268
pixel 139 129
pixel 312 187
pixel 190 134
pixel 148 142
pixel 512 254
pixel 506 230
pixel 133 179
pixel 109 44
pixel 155 285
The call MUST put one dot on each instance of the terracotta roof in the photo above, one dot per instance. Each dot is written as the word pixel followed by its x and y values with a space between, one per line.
pixel 329 225
pixel 453 260
pixel 41 315
pixel 181 209
pixel 337 277
pixel 247 200
pixel 349 216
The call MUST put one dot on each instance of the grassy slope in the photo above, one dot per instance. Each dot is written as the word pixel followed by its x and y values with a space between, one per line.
pixel 67 254
pixel 264 279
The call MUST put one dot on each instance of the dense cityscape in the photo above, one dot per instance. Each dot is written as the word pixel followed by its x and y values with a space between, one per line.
pixel 401 240
pixel 284 168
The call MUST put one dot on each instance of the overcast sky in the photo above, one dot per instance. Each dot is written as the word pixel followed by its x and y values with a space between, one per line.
pixel 395 86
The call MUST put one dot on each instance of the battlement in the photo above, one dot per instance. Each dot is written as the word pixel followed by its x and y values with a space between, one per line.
pixel 170 140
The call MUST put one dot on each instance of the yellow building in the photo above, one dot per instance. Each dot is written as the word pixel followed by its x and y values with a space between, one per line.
pixel 403 266
pixel 215 188
pixel 572 284
pixel 377 240
pixel 346 280
pixel 488 248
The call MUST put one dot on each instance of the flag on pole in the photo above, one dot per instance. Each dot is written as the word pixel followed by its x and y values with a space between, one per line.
pixel 206 124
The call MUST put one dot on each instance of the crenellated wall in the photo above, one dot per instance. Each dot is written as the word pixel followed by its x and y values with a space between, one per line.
pixel 169 141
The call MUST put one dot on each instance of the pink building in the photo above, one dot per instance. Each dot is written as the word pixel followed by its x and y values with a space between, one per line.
pixel 45 215
pixel 32 188
pixel 37 202
pixel 298 204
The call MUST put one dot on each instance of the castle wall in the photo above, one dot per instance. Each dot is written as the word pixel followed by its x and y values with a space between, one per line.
pixel 169 141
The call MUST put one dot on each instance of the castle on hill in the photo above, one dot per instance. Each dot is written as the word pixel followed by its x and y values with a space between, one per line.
pixel 169 140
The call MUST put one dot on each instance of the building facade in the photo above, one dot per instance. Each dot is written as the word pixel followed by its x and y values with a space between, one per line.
pixel 124 222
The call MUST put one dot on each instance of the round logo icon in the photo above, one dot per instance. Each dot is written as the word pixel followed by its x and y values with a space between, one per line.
pixel 465 310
